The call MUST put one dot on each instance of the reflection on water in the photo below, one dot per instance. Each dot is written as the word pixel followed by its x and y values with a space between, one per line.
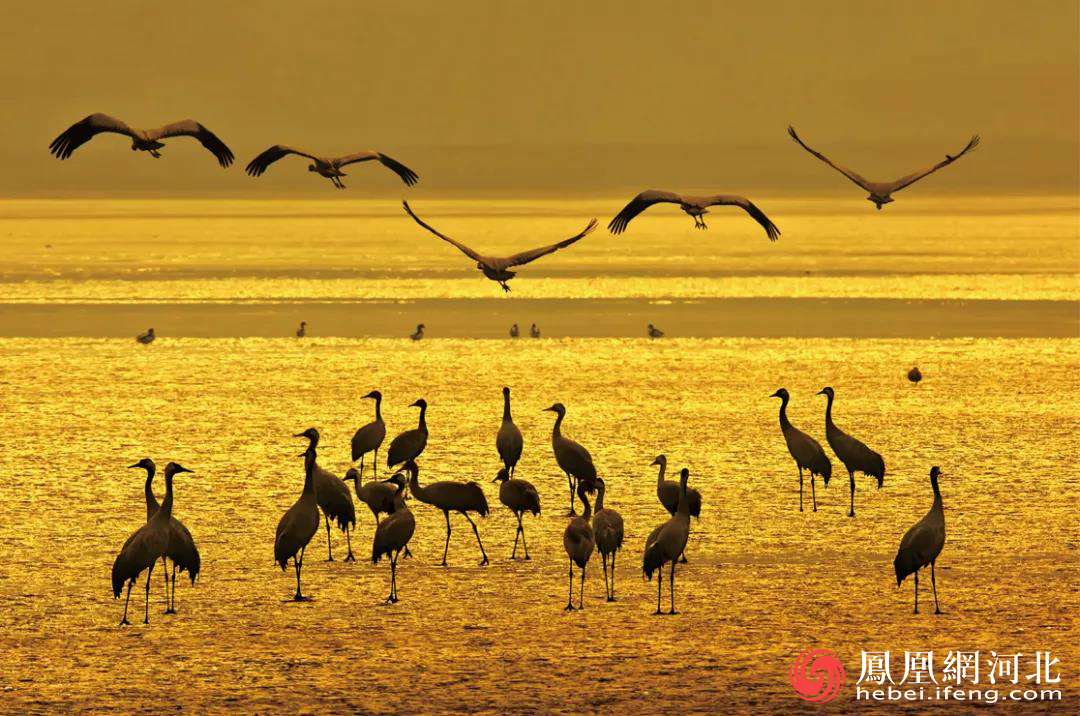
pixel 764 582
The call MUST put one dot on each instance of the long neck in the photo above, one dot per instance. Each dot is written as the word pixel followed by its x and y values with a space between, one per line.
pixel 784 422
pixel 151 501
pixel 587 514
pixel 600 498
pixel 309 472
pixel 506 408
pixel 828 409
pixel 660 475
pixel 378 410
pixel 423 421
pixel 937 492
pixel 414 484
pixel 684 503
pixel 166 505
pixel 558 423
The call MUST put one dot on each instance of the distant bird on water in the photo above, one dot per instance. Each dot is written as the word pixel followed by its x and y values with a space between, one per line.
pixel 393 534
pixel 299 524
pixel 807 452
pixel 182 550
pixel 334 498
pixel 922 544
pixel 579 543
pixel 520 497
pixel 534 332
pixel 146 338
pixel 668 491
pixel 880 192
pixel 498 268
pixel 419 333
pixel 655 332
pixel 572 458
pixel 409 444
pixel 330 167
pixel 665 543
pixel 369 437
pixel 145 140
pixel 914 375
pixel 608 531
pixel 450 496
pixel 852 452
pixel 514 331
pixel 695 206
pixel 302 330
pixel 508 440
pixel 145 547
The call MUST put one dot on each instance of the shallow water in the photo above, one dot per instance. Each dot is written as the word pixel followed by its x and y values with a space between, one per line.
pixel 764 581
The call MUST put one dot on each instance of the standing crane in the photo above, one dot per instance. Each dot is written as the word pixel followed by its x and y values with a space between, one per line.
pixel 807 452
pixel 450 496
pixel 520 496
pixel 409 444
pixel 145 547
pixel 922 544
pixel 853 453
pixel 667 542
pixel 608 529
pixel 667 491
pixel 572 458
pixel 393 535
pixel 579 542
pixel 508 441
pixel 299 524
pixel 334 499
pixel 369 437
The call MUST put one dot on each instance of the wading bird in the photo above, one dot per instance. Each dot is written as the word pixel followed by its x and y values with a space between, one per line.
pixel 608 531
pixel 572 458
pixel 695 206
pixel 655 332
pixel 393 535
pixel 146 338
pixel 508 440
pixel 914 375
pixel 668 491
pixel 409 444
pixel 369 437
pixel 329 167
pixel 145 140
pixel 579 542
pixel 880 191
pixel 514 331
pixel 298 525
pixel 922 544
pixel 450 496
pixel 302 330
pixel 419 333
pixel 667 542
pixel 807 452
pixel 334 499
pixel 853 453
pixel 379 496
pixel 498 268
pixel 534 332
pixel 520 496
pixel 145 547
pixel 182 550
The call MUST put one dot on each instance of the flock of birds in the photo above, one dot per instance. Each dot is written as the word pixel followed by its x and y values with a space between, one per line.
pixel 598 529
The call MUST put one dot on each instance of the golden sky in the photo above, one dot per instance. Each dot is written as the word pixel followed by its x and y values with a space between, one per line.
pixel 558 98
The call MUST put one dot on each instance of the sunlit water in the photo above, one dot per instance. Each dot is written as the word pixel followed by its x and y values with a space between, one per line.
pixel 764 581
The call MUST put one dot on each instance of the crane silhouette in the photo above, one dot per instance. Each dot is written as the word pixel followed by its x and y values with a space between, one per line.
pixel 573 459
pixel 922 544
pixel 393 535
pixel 450 496
pixel 508 440
pixel 370 437
pixel 806 451
pixel 579 543
pixel 608 531
pixel 299 524
pixel 665 543
pixel 334 500
pixel 521 497
pixel 853 453
pixel 409 444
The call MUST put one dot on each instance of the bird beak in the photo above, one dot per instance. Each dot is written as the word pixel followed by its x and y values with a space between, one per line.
pixel 548 410
pixel 775 395
pixel 183 469
pixel 654 462
pixel 820 392
pixel 303 454
pixel 300 435
pixel 415 405
pixel 135 465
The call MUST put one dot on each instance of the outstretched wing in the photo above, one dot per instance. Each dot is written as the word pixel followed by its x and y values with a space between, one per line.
pixel 407 175
pixel 460 246
pixel 750 208
pixel 259 164
pixel 912 178
pixel 846 172
pixel 525 257
pixel 191 128
pixel 638 204
pixel 84 130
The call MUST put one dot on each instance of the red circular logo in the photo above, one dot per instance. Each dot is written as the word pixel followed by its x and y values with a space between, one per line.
pixel 817 675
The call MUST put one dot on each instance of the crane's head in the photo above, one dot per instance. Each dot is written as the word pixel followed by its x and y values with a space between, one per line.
pixel 422 404
pixel 420 326
pixel 311 434
pixel 935 472
pixel 374 395
pixel 684 476
pixel 352 474
pixel 782 394
pixel 503 475
pixel 506 390
pixel 880 201
pixel 827 391
pixel 556 408
pixel 660 460
pixel 174 467
pixel 146 464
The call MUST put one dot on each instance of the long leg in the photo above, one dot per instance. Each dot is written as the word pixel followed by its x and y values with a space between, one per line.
pixel 612 597
pixel 607 589
pixel 813 491
pixel 933 582
pixel 393 580
pixel 659 586
pixel 329 548
pixel 172 601
pixel 517 534
pixel 851 480
pixel 348 538
pixel 124 620
pixel 581 593
pixel 916 591
pixel 447 547
pixel 570 483
pixel 800 486
pixel 671 575
pixel 165 573
pixel 523 542
pixel 570 598
pixel 375 465
pixel 477 533
pixel 146 613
